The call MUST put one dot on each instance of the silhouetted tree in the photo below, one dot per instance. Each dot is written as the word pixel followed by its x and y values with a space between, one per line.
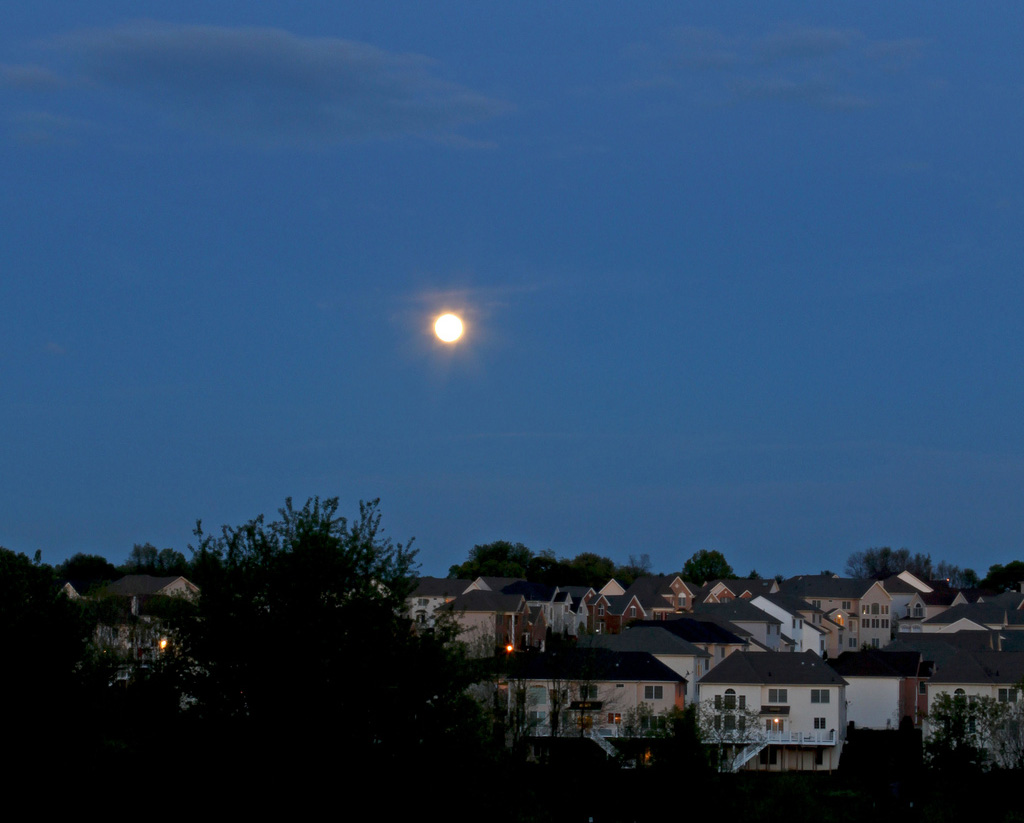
pixel 707 565
pixel 497 559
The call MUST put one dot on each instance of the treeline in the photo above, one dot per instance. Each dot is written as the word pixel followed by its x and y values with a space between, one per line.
pixel 505 559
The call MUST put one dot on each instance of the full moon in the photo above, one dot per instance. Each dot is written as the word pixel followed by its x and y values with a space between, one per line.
pixel 448 328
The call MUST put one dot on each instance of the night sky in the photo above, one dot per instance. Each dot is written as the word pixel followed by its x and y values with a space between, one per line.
pixel 735 276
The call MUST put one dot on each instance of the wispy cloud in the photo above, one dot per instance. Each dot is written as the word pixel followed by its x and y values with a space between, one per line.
pixel 30 78
pixel 275 87
pixel 805 43
pixel 828 68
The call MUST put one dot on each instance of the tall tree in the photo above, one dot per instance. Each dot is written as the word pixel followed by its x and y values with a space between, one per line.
pixel 707 565
pixel 498 559
pixel 884 562
pixel 1004 578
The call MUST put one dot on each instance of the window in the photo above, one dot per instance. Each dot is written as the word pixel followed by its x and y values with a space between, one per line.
pixel 819 696
pixel 885 622
pixel 885 609
pixel 1007 695
pixel 819 722
pixel 730 722
pixel 730 699
pixel 847 605
pixel 614 718
pixel 537 717
pixel 917 610
pixel 778 696
pixel 653 692
pixel 922 687
pixel 600 610
pixel 816 604
pixel 853 643
pixel 874 643
pixel 775 724
pixel 632 611
pixel 588 691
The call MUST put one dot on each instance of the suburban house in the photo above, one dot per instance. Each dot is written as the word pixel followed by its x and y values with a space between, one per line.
pixel 682 656
pixel 762 627
pixel 489 620
pixel 661 596
pixel 133 629
pixel 883 687
pixel 780 712
pixel 430 594
pixel 594 691
pixel 800 621
pixel 865 605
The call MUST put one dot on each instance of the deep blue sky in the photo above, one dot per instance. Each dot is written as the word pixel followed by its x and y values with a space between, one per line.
pixel 739 276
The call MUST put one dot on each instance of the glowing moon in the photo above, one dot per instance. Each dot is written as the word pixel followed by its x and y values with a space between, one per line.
pixel 448 328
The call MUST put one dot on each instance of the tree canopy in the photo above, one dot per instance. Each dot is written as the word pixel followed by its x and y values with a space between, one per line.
pixel 498 559
pixel 707 565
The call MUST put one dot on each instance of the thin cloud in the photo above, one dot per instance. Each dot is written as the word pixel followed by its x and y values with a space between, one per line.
pixel 273 86
pixel 805 44
pixel 30 78
pixel 815 92
pixel 821 67
pixel 896 55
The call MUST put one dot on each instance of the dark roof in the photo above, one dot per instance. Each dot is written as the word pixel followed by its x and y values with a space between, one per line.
pixel 599 664
pixel 894 584
pixel 738 585
pixel 877 663
pixel 786 669
pixel 484 601
pixel 496 584
pixel 652 591
pixel 531 591
pixel 439 587
pixel 980 667
pixel 736 610
pixel 696 631
pixel 826 586
pixel 651 639
pixel 790 603
pixel 987 613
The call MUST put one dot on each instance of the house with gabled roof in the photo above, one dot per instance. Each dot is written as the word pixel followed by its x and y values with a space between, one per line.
pixel 882 686
pixel 661 595
pixel 980 674
pixel 708 635
pixel 800 621
pixel 865 604
pixel 797 700
pixel 680 655
pixel 762 627
pixel 430 594
pixel 592 690
pixel 997 613
pixel 490 620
